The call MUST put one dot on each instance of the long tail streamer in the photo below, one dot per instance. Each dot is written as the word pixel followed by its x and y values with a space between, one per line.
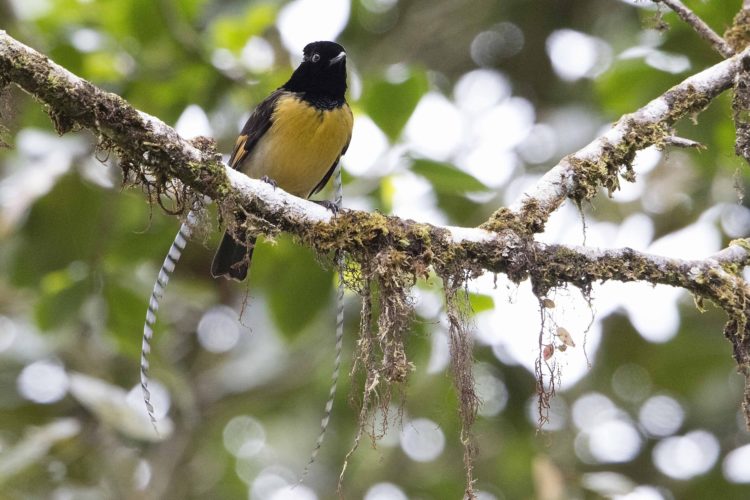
pixel 338 199
pixel 167 268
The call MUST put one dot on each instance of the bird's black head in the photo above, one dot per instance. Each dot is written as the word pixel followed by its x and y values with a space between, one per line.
pixel 322 72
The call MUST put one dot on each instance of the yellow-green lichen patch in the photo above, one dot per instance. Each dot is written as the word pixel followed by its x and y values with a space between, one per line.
pixel 504 219
pixel 738 34
pixel 687 102
pixel 614 160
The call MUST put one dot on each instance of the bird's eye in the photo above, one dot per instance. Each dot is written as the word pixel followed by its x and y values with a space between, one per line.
pixel 315 58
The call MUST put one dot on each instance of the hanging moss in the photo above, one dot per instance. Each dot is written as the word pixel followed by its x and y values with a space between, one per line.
pixel 462 362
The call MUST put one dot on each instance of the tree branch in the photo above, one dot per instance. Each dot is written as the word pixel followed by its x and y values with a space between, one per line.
pixel 152 145
pixel 139 137
pixel 388 244
pixel 606 158
pixel 140 140
pixel 700 27
pixel 392 252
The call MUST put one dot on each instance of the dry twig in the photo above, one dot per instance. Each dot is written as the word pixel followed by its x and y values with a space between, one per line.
pixel 705 32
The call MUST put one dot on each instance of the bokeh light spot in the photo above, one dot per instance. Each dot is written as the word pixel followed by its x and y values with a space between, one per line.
pixel 160 399
pixel 270 481
pixel 591 409
pixel 142 475
pixel 8 332
pixel 557 414
pixel 661 416
pixel 481 89
pixel 385 491
pixel 422 440
pixel 491 391
pixel 294 492
pixel 43 382
pixel 303 21
pixel 576 55
pixel 490 47
pixel 244 436
pixel 193 122
pixel 539 145
pixel 367 146
pixel 614 441
pixel 257 55
pixel 684 457
pixel 736 465
pixel 435 129
pixel 631 383
pixel 669 63
pixel 218 329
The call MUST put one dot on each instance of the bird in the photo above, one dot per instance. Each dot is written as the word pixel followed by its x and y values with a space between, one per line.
pixel 294 139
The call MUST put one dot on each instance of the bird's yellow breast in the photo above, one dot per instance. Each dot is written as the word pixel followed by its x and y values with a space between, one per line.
pixel 301 145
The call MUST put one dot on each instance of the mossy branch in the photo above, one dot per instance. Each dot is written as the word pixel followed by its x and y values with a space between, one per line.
pixel 146 143
pixel 602 162
pixel 393 252
pixel 141 141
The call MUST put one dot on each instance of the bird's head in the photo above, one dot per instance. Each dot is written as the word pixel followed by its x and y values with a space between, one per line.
pixel 322 70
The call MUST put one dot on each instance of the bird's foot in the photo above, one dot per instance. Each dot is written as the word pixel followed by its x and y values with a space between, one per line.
pixel 270 181
pixel 328 205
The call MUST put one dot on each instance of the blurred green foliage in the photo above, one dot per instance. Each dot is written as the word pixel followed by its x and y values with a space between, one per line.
pixel 78 259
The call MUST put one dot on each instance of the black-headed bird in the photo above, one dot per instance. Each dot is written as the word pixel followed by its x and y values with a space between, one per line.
pixel 294 139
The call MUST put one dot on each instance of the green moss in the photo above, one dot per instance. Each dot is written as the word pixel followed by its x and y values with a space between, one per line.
pixel 615 160
pixel 505 219
pixel 738 35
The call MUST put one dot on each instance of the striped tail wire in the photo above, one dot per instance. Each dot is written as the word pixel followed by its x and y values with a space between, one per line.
pixel 167 267
pixel 338 199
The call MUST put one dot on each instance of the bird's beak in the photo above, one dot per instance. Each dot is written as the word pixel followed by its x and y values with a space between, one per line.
pixel 338 58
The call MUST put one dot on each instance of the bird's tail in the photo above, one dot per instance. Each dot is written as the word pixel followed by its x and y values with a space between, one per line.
pixel 232 259
pixel 338 200
pixel 167 267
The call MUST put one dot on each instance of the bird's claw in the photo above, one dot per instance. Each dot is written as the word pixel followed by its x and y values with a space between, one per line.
pixel 270 181
pixel 328 205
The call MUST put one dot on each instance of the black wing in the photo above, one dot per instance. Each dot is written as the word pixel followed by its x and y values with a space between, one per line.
pixel 257 125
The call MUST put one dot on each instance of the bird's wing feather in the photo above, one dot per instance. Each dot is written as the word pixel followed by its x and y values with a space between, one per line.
pixel 257 125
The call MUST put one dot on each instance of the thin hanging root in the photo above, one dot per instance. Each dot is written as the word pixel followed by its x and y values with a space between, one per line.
pixel 461 352
pixel 167 267
pixel 355 445
pixel 338 200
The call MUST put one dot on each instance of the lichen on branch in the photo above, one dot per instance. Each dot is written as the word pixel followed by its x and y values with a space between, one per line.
pixel 600 164
pixel 386 254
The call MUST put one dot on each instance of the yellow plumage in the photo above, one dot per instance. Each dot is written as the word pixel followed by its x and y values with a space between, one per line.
pixel 294 138
pixel 301 145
